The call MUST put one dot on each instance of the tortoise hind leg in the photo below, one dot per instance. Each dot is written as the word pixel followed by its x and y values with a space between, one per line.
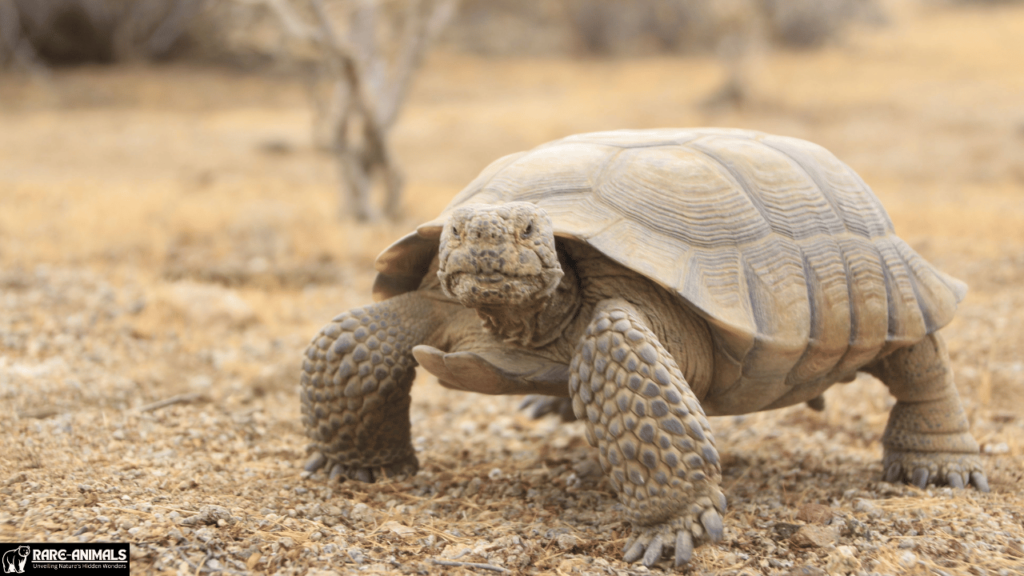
pixel 539 406
pixel 356 379
pixel 927 440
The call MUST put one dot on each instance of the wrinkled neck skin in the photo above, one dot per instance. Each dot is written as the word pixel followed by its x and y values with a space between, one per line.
pixel 538 322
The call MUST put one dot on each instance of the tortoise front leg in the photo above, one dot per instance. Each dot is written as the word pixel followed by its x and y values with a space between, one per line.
pixel 356 379
pixel 655 443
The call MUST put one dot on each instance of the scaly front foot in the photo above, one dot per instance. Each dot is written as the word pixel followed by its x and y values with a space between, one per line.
pixel 338 472
pixel 655 443
pixel 355 390
pixel 701 523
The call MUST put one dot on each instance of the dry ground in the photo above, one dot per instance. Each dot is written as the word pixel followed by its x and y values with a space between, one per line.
pixel 171 231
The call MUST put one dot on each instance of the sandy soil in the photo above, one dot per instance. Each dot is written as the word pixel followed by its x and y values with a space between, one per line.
pixel 170 233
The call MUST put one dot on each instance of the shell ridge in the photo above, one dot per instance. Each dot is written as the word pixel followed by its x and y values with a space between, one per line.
pixel 903 323
pixel 822 186
pixel 926 315
pixel 740 179
pixel 600 174
pixel 812 307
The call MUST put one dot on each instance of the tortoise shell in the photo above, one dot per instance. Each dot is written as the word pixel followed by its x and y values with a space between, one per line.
pixel 781 247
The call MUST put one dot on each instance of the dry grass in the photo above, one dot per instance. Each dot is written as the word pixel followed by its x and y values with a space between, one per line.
pixel 170 231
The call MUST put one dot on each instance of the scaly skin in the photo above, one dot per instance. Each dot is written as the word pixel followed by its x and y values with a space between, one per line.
pixel 927 439
pixel 655 443
pixel 356 379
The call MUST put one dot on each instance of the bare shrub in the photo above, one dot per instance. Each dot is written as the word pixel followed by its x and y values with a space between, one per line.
pixel 77 31
pixel 365 53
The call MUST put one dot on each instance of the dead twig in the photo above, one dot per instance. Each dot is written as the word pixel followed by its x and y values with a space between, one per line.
pixel 479 565
pixel 179 399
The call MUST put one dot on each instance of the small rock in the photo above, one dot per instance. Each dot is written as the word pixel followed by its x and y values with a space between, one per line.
pixel 867 507
pixel 812 536
pixel 566 541
pixel 908 559
pixel 785 529
pixel 814 514
pixel 287 543
pixel 998 448
pixel 843 560
pixel 473 487
pixel 398 528
pixel 356 555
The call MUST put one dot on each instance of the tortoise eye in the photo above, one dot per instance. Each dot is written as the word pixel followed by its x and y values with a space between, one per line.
pixel 455 231
pixel 529 230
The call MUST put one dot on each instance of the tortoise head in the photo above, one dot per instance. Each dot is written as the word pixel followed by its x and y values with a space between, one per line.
pixel 499 256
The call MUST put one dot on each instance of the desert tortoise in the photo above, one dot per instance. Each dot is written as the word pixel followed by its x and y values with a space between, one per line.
pixel 652 277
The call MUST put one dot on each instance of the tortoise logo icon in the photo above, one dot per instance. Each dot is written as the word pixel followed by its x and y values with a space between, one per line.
pixel 14 560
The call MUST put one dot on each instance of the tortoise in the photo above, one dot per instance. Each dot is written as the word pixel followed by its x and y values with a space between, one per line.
pixel 649 278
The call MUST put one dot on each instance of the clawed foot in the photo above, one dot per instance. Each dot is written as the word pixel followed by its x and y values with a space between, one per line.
pixel 339 472
pixel 924 468
pixel 538 406
pixel 683 534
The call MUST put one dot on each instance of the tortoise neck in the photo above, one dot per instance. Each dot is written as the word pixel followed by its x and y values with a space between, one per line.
pixel 537 323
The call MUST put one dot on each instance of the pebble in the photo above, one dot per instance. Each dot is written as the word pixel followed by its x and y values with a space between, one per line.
pixel 867 507
pixel 566 541
pixel 999 448
pixel 812 536
pixel 814 514
pixel 843 560
pixel 356 555
pixel 908 559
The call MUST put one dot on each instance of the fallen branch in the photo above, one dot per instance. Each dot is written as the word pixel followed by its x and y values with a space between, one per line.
pixel 490 567
pixel 179 399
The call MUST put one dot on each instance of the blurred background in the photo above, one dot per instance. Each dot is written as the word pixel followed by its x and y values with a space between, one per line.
pixel 189 189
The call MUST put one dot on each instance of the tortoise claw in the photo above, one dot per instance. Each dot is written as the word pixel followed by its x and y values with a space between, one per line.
pixel 634 552
pixel 653 553
pixel 894 473
pixel 920 478
pixel 712 522
pixel 315 462
pixel 980 481
pixel 941 469
pixel 684 548
pixel 337 474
